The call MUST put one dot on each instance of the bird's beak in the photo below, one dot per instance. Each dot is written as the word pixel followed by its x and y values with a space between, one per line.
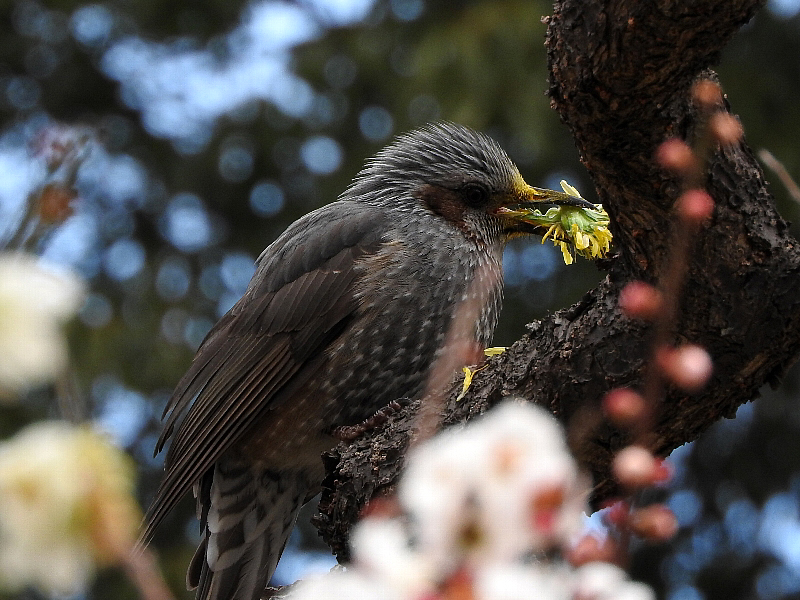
pixel 523 196
pixel 527 196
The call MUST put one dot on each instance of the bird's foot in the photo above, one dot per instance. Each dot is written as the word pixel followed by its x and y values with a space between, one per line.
pixel 347 433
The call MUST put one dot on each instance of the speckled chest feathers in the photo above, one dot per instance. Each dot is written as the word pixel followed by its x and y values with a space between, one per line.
pixel 407 293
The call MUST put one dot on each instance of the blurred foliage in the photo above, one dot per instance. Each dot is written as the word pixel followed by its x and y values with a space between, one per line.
pixel 168 223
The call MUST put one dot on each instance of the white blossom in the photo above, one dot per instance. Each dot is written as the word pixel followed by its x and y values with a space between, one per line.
pixel 478 509
pixel 502 487
pixel 66 507
pixel 382 549
pixel 604 581
pixel 34 304
pixel 514 581
pixel 338 585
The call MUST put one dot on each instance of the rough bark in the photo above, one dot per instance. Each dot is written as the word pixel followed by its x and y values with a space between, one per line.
pixel 620 78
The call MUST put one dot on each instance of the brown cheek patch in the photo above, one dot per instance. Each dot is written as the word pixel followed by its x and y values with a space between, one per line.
pixel 443 202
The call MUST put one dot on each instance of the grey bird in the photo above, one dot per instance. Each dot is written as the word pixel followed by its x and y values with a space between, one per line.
pixel 346 313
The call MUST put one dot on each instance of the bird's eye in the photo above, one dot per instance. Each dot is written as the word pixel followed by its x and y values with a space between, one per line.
pixel 475 194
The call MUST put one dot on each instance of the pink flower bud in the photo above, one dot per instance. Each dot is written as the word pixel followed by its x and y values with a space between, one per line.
pixel 640 300
pixel 617 513
pixel 707 94
pixel 381 507
pixel 726 128
pixel 635 467
pixel 663 471
pixel 624 407
pixel 591 549
pixel 695 206
pixel 689 367
pixel 675 155
pixel 656 523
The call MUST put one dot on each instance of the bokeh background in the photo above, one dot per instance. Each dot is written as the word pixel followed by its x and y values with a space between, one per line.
pixel 204 127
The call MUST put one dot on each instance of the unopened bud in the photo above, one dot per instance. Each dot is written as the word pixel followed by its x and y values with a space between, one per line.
pixel 635 467
pixel 675 155
pixel 656 523
pixel 381 507
pixel 707 94
pixel 726 128
pixel 616 513
pixel 624 407
pixel 591 549
pixel 695 206
pixel 640 300
pixel 663 471
pixel 55 203
pixel 689 367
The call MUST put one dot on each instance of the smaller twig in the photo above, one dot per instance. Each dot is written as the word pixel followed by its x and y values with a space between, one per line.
pixel 708 97
pixel 69 400
pixel 140 566
pixel 64 149
pixel 688 366
pixel 28 224
pixel 777 167
pixel 459 349
pixel 670 286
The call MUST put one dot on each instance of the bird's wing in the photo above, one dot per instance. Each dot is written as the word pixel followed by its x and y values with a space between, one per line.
pixel 300 299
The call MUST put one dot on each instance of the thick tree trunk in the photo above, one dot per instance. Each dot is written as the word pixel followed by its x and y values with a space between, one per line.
pixel 621 72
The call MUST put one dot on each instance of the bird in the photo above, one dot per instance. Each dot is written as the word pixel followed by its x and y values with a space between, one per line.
pixel 346 312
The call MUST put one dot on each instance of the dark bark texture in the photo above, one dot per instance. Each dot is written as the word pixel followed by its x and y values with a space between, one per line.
pixel 621 73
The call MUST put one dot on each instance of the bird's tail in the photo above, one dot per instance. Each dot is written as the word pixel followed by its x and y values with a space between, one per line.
pixel 247 515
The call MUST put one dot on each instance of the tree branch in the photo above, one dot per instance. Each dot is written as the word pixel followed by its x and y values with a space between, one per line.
pixel 620 79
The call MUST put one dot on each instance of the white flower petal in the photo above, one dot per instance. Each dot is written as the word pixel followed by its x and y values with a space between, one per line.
pixel 66 505
pixel 34 302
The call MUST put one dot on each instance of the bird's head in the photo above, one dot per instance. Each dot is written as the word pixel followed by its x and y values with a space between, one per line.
pixel 459 174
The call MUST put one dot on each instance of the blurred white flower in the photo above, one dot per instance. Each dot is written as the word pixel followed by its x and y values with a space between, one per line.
pixel 534 495
pixel 34 303
pixel 604 581
pixel 479 510
pixel 523 582
pixel 383 550
pixel 336 585
pixel 502 487
pixel 66 507
pixel 557 581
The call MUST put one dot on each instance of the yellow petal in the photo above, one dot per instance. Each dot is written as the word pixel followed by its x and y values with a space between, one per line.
pixel 566 253
pixel 550 231
pixel 468 375
pixel 494 351
pixel 568 189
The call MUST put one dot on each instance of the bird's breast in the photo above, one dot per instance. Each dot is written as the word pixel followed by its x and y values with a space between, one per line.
pixel 407 292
